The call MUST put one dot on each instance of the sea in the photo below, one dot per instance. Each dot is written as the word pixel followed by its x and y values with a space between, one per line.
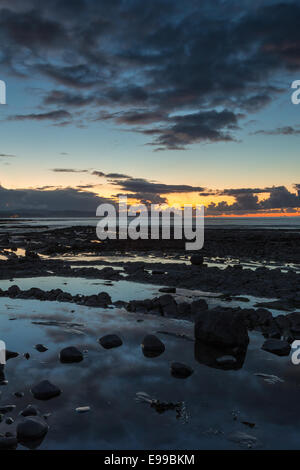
pixel 283 223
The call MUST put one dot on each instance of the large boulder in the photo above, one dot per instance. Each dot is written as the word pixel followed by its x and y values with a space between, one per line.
pixel 222 328
pixel 45 390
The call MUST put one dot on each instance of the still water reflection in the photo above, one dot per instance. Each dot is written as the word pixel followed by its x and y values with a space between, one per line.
pixel 216 400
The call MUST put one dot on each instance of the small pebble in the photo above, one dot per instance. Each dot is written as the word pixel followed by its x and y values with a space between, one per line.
pixel 82 409
pixel 40 348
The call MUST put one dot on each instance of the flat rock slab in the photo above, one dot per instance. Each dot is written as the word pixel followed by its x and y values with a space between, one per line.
pixel 110 341
pixel 45 390
pixel 70 355
pixel 277 346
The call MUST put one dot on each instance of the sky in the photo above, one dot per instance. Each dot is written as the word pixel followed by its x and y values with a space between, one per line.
pixel 167 102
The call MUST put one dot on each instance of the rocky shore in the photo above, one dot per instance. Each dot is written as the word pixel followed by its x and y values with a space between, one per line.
pixel 219 333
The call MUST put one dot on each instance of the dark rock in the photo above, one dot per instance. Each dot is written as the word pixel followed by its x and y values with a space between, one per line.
pixel 196 260
pixel 152 346
pixel 31 429
pixel 180 371
pixel 8 443
pixel 30 410
pixel 120 303
pixel 7 408
pixel 141 306
pixel 19 394
pixel 198 306
pixel 13 291
pixel 225 358
pixel 70 355
pixel 32 256
pixel 135 267
pixel 221 328
pixel 184 309
pixel 264 317
pixel 168 290
pixel 9 420
pixel 40 348
pixel 110 341
pixel 166 300
pixel 45 390
pixel 64 297
pixel 10 354
pixel 277 346
pixel 27 356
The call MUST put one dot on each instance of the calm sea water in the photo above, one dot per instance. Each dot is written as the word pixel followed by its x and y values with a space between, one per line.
pixel 292 223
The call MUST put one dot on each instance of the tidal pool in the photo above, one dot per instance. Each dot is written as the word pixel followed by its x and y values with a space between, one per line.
pixel 217 401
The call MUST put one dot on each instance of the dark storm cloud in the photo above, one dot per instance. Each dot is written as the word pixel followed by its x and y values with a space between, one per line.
pixel 51 115
pixel 287 130
pixel 117 176
pixel 241 191
pixel 110 175
pixel 145 198
pixel 135 117
pixel 209 126
pixel 30 29
pixel 246 200
pixel 49 200
pixel 143 63
pixel 140 185
pixel 77 76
